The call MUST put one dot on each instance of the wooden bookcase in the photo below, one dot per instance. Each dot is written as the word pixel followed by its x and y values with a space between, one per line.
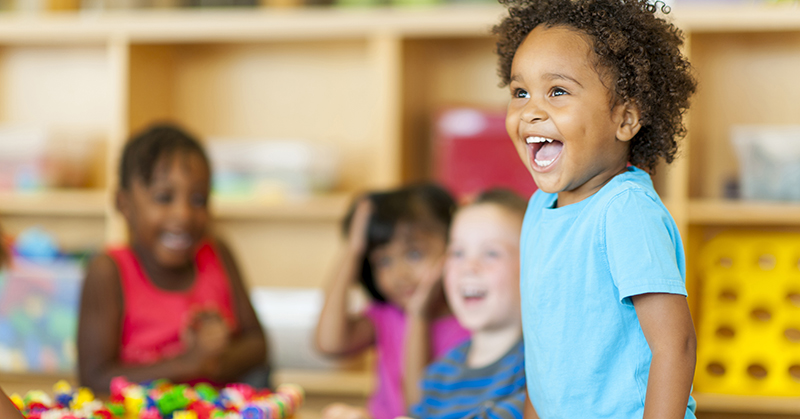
pixel 367 81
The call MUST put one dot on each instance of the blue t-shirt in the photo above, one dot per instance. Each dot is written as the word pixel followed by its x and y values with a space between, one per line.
pixel 585 353
pixel 452 390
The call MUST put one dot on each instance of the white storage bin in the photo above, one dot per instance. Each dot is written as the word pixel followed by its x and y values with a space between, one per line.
pixel 769 161
pixel 289 317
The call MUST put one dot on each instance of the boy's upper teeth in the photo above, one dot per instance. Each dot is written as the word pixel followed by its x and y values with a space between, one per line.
pixel 531 140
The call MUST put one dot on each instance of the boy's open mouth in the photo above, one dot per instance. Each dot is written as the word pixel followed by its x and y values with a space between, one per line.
pixel 544 150
pixel 472 294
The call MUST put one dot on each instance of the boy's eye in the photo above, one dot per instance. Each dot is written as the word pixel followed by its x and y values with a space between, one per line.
pixel 557 91
pixel 521 94
pixel 492 254
pixel 456 253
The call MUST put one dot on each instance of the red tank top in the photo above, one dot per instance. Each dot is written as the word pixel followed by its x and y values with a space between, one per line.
pixel 153 319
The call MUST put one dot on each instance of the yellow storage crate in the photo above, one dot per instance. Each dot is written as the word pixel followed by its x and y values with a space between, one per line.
pixel 749 331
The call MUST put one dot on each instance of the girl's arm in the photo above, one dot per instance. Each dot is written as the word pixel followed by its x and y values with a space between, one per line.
pixel 7 409
pixel 99 329
pixel 426 303
pixel 667 326
pixel 338 333
pixel 248 348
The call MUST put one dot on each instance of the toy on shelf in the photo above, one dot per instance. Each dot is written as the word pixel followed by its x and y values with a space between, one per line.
pixel 749 331
pixel 161 399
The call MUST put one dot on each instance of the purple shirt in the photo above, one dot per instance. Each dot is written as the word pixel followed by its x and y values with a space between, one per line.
pixel 390 326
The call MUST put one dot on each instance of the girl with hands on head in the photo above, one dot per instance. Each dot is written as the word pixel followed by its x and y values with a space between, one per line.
pixel 396 242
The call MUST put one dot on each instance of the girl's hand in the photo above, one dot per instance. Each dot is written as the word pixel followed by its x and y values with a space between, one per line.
pixel 357 236
pixel 344 411
pixel 208 335
pixel 428 297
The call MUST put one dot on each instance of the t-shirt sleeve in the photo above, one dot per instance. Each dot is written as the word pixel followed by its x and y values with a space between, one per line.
pixel 643 246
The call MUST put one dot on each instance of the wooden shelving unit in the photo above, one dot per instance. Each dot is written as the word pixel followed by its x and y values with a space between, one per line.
pixel 757 405
pixel 55 203
pixel 743 213
pixel 321 208
pixel 367 81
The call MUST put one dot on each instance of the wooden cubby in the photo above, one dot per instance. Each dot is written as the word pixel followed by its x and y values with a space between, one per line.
pixel 369 82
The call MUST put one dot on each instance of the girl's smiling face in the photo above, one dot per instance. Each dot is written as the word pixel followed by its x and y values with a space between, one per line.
pixel 168 218
pixel 400 264
pixel 562 118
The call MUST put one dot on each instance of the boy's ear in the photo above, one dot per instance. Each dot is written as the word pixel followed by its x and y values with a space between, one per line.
pixel 630 121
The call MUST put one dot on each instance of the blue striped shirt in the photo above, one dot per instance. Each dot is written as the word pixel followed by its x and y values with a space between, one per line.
pixel 451 390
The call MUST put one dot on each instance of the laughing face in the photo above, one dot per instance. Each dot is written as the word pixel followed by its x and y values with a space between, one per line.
pixel 168 218
pixel 562 118
pixel 482 268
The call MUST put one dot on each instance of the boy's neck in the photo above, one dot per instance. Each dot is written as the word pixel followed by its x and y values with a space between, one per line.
pixel 488 346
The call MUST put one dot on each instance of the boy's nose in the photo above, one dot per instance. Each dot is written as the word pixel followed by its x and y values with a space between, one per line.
pixel 473 265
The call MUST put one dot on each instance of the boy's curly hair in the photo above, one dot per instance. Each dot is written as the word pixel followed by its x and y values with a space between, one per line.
pixel 641 51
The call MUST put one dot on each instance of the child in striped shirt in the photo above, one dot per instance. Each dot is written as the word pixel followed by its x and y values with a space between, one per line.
pixel 484 377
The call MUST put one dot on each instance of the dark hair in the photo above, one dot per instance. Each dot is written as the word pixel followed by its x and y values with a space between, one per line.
pixel 425 205
pixel 641 50
pixel 505 198
pixel 145 149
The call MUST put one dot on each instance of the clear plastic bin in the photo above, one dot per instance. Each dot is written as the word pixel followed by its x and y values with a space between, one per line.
pixel 769 161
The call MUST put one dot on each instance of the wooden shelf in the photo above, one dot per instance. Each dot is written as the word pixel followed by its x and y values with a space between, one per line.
pixel 738 18
pixel 330 207
pixel 76 202
pixel 345 383
pixel 319 23
pixel 243 25
pixel 747 404
pixel 752 213
pixel 91 203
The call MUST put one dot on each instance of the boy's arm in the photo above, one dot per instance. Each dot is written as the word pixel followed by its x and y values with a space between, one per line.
pixel 339 334
pixel 667 326
pixel 248 348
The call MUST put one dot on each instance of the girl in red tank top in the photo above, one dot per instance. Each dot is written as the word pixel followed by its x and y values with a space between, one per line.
pixel 171 304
